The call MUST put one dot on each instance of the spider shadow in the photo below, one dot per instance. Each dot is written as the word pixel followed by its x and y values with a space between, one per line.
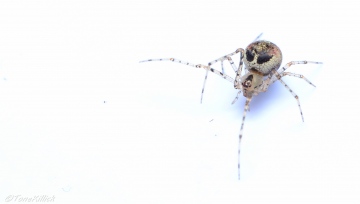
pixel 270 106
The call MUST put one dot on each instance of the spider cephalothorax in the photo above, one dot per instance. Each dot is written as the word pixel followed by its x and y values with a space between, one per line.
pixel 262 60
pixel 250 82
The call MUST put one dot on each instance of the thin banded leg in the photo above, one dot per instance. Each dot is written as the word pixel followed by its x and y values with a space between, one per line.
pixel 222 59
pixel 266 83
pixel 237 84
pixel 170 59
pixel 258 37
pixel 237 97
pixel 207 68
pixel 202 91
pixel 289 64
pixel 222 75
pixel 222 67
pixel 228 57
pixel 287 87
pixel 241 131
pixel 295 75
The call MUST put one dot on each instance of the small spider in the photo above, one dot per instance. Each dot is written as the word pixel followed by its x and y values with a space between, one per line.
pixel 262 61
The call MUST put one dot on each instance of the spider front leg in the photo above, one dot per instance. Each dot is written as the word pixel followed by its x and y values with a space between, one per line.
pixel 222 59
pixel 248 100
pixel 237 82
pixel 207 68
pixel 228 57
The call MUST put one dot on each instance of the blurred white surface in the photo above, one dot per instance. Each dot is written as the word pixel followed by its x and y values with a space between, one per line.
pixel 82 120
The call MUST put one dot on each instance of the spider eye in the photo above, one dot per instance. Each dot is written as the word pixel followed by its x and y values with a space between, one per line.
pixel 249 56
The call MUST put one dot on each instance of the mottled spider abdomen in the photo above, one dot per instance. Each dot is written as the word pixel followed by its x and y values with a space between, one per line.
pixel 262 56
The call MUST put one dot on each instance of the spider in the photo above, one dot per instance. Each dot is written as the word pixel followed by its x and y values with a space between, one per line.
pixel 262 61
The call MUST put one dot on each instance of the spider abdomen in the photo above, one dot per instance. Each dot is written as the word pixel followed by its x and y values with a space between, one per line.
pixel 262 56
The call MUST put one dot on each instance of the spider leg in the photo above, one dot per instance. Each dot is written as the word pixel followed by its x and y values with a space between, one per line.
pixel 228 57
pixel 202 91
pixel 296 75
pixel 222 67
pixel 241 131
pixel 222 59
pixel 203 88
pixel 267 83
pixel 258 37
pixel 222 75
pixel 207 68
pixel 237 97
pixel 237 84
pixel 296 62
pixel 287 87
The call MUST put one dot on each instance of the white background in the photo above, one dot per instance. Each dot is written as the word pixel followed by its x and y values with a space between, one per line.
pixel 82 120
